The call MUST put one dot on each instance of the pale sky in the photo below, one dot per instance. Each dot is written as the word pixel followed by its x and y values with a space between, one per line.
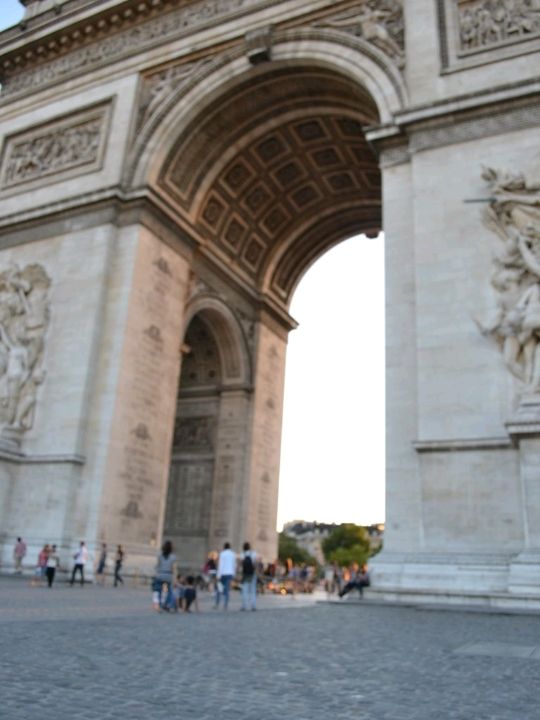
pixel 332 460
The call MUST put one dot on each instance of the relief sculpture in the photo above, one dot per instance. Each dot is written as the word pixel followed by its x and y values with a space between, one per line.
pixel 488 22
pixel 24 316
pixel 66 145
pixel 52 153
pixel 159 86
pixel 514 216
pixel 377 21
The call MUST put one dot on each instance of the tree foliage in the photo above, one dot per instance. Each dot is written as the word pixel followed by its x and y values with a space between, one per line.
pixel 289 549
pixel 346 544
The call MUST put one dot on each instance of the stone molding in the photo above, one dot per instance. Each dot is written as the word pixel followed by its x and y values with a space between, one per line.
pixel 487 121
pixel 61 148
pixel 394 155
pixel 112 36
pixel 24 459
pixel 462 444
pixel 458 121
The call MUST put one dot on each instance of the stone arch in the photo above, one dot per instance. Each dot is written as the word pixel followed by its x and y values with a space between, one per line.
pixel 229 335
pixel 215 378
pixel 348 56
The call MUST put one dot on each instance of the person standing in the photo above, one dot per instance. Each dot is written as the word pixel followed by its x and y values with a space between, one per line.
pixel 53 562
pixel 80 557
pixel 165 571
pixel 118 562
pixel 19 553
pixel 249 578
pixel 226 572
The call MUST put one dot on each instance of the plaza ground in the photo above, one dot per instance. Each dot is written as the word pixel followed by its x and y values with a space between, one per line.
pixel 100 653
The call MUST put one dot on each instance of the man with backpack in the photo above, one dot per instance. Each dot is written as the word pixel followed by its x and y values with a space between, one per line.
pixel 249 578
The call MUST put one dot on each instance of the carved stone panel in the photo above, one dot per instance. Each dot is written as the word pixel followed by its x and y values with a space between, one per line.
pixel 484 23
pixel 62 148
pixel 474 32
pixel 24 317
pixel 189 498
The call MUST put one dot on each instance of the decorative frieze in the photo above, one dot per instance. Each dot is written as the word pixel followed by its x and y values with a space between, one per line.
pixel 120 35
pixel 24 317
pixel 484 23
pixel 61 148
pixel 513 215
pixel 377 21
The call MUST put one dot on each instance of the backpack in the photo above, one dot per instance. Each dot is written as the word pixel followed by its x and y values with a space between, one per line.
pixel 248 569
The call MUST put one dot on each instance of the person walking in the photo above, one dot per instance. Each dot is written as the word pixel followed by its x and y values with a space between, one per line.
pixel 53 562
pixel 41 565
pixel 118 562
pixel 249 578
pixel 102 564
pixel 80 557
pixel 165 571
pixel 19 553
pixel 226 572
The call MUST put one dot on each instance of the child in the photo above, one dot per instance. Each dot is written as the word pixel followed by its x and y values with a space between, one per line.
pixel 178 591
pixel 190 594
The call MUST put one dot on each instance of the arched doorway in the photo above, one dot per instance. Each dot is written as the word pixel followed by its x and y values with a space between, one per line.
pixel 203 501
pixel 269 173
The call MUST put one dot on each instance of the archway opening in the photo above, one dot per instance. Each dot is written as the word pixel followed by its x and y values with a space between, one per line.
pixel 188 513
pixel 332 460
pixel 274 172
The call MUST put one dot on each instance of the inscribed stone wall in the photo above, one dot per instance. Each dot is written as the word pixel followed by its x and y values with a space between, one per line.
pixel 140 445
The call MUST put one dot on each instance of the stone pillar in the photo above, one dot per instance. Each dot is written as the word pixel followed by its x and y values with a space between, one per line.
pixel 260 499
pixel 403 531
pixel 524 428
pixel 139 446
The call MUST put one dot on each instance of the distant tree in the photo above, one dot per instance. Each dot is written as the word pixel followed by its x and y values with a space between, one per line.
pixel 346 544
pixel 289 549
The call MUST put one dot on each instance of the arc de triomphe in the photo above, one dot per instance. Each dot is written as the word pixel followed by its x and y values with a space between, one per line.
pixel 169 170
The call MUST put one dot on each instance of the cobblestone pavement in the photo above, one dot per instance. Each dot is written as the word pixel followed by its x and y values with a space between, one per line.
pixel 100 654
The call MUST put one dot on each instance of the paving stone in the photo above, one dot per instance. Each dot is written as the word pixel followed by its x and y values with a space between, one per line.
pixel 101 654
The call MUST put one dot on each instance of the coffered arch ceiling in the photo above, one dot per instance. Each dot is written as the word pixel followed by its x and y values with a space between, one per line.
pixel 276 172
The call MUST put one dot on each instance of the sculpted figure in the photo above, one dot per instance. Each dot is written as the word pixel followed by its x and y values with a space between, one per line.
pixel 494 21
pixel 514 215
pixel 24 314
pixel 380 23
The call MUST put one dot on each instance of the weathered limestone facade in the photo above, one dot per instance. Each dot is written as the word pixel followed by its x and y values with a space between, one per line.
pixel 169 170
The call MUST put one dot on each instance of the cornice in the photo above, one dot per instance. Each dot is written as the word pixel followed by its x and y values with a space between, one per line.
pixel 98 34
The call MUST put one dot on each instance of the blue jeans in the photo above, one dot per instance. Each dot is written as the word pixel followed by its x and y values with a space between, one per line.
pixel 249 593
pixel 225 580
pixel 167 602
